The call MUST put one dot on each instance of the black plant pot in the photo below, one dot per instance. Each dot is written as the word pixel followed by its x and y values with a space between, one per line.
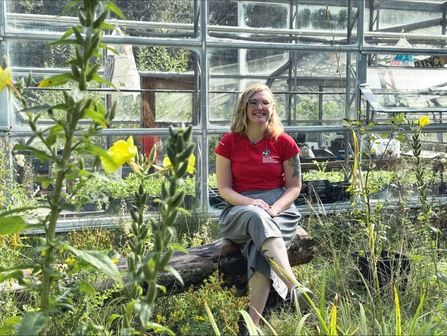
pixel 391 268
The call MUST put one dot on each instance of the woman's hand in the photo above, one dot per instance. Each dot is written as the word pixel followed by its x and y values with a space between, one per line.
pixel 272 211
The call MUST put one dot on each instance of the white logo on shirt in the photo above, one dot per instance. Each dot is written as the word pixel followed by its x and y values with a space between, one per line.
pixel 266 158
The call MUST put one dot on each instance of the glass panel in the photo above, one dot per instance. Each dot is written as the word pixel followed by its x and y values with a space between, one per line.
pixel 222 13
pixel 38 54
pixel 322 17
pixel 411 19
pixel 264 62
pixel 265 15
pixel 316 81
pixel 169 94
pixel 160 18
pixel 166 11
pixel 42 7
pixel 409 87
pixel 410 14
pixel 157 10
pixel 174 107
pixel 169 86
pixel 274 18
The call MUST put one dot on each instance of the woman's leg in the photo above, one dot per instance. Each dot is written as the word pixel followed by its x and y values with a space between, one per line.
pixel 259 291
pixel 275 249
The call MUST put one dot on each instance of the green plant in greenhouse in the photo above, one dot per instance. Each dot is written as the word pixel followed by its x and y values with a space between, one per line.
pixel 69 177
pixel 50 293
pixel 144 264
pixel 426 214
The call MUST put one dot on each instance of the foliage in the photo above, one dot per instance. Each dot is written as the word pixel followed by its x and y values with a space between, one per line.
pixel 188 314
pixel 117 188
pixel 92 239
pixel 426 215
pixel 334 243
pixel 144 265
pixel 14 195
pixel 362 184
pixel 77 105
pixel 13 246
pixel 162 59
pixel 157 10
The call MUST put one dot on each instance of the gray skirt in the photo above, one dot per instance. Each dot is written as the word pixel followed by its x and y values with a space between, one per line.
pixel 249 226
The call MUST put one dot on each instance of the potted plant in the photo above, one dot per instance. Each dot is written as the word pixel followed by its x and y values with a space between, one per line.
pixel 377 266
pixel 389 268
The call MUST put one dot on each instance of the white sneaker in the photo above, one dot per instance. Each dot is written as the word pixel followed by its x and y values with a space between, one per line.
pixel 297 296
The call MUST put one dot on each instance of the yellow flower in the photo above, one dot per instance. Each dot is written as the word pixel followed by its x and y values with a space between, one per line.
pixel 167 163
pixel 69 260
pixel 191 163
pixel 5 77
pixel 121 152
pixel 424 121
pixel 199 318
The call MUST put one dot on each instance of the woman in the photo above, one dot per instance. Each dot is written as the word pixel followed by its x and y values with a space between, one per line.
pixel 259 175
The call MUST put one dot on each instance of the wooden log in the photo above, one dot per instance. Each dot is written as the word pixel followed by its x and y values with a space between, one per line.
pixel 223 255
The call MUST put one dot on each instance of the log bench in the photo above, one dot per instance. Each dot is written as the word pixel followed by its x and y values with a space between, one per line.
pixel 223 255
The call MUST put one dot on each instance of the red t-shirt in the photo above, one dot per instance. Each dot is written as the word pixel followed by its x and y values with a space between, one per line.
pixel 260 166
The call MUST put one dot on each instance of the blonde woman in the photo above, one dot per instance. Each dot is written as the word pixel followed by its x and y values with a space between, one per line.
pixel 259 175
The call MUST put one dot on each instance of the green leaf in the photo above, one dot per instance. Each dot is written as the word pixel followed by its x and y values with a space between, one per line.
pixel 4 275
pixel 146 310
pixel 174 272
pixel 33 323
pixel 56 80
pixel 94 116
pixel 6 330
pixel 13 320
pixel 101 80
pixel 113 317
pixel 8 325
pixel 86 287
pixel 39 108
pixel 64 42
pixel 66 34
pixel 251 327
pixel 101 261
pixel 12 224
pixel 106 26
pixel 114 8
pixel 333 321
pixel 212 320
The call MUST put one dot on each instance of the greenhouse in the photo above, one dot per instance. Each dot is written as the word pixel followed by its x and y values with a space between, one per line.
pixel 184 63
pixel 111 220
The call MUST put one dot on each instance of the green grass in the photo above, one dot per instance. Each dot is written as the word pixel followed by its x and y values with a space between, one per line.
pixel 341 301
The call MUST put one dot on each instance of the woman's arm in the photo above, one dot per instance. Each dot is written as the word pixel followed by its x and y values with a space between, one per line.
pixel 292 177
pixel 225 183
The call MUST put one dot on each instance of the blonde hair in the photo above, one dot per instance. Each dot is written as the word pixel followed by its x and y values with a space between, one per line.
pixel 239 123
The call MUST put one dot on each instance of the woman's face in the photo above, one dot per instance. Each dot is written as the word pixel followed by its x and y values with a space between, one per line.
pixel 260 108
